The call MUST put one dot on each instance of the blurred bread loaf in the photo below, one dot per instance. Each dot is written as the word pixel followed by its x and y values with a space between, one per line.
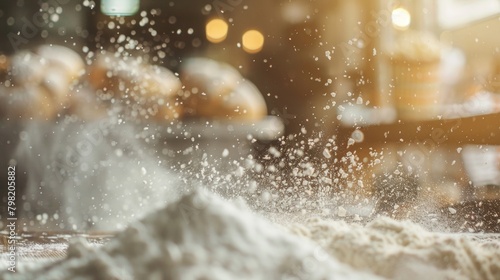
pixel 68 61
pixel 21 96
pixel 209 75
pixel 216 90
pixel 37 84
pixel 144 90
pixel 26 68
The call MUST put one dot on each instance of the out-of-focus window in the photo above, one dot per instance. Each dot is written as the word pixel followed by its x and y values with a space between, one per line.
pixel 457 13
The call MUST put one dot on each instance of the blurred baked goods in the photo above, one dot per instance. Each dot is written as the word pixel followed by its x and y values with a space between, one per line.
pixel 145 90
pixel 64 68
pixel 26 68
pixel 155 92
pixel 217 90
pixel 37 84
pixel 41 84
pixel 210 76
pixel 248 102
pixel 65 59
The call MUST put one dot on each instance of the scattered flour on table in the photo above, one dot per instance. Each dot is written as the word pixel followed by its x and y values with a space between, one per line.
pixel 404 250
pixel 202 236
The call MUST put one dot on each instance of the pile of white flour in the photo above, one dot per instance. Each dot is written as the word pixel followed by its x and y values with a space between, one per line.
pixel 202 236
pixel 199 237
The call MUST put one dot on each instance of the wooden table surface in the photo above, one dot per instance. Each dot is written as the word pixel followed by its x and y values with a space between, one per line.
pixel 39 248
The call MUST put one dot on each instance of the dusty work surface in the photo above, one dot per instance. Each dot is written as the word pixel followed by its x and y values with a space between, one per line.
pixel 39 248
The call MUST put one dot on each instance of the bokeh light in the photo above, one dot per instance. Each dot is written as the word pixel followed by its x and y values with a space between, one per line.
pixel 253 41
pixel 401 18
pixel 216 30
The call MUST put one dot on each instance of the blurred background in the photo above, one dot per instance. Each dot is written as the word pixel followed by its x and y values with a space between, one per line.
pixel 311 48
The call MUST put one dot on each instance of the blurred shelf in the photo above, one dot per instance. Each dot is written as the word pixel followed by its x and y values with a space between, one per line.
pixel 479 130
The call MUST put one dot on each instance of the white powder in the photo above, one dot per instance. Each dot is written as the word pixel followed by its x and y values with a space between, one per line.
pixel 204 237
pixel 404 250
pixel 200 237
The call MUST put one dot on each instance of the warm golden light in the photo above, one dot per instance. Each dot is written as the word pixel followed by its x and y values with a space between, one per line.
pixel 252 41
pixel 401 18
pixel 216 30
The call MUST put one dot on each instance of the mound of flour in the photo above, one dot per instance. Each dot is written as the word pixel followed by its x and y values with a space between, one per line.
pixel 202 236
pixel 404 250
pixel 199 237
